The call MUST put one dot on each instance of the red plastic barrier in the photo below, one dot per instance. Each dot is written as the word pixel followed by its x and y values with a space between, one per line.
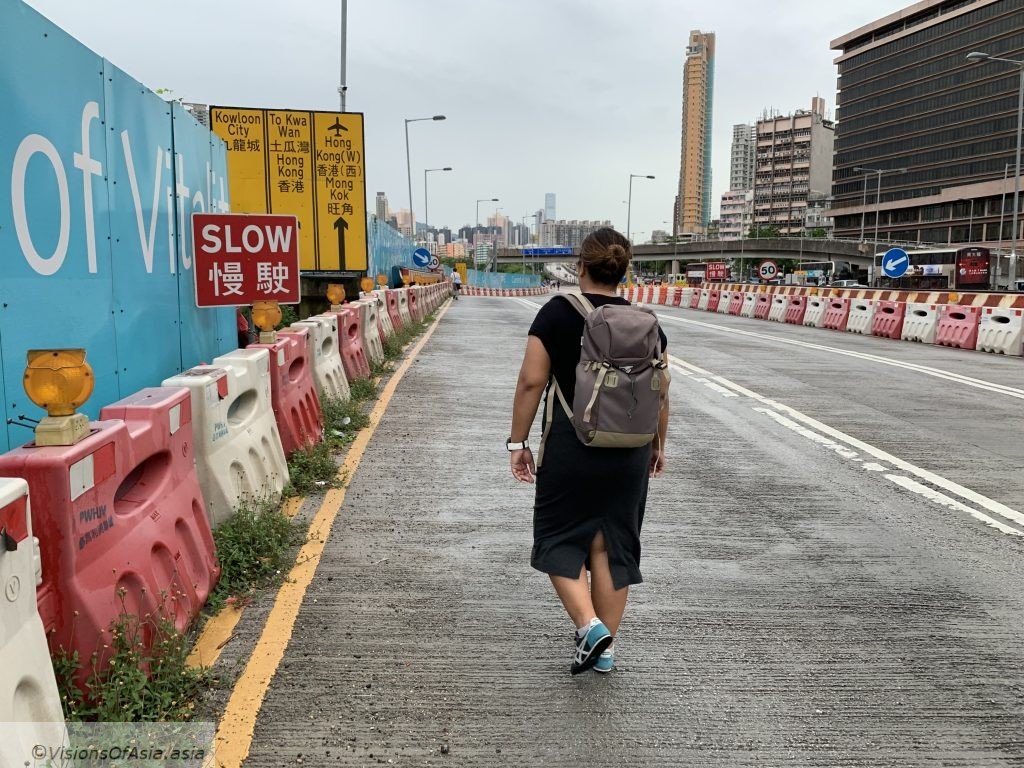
pixel 735 302
pixel 396 316
pixel 764 306
pixel 677 297
pixel 662 297
pixel 795 310
pixel 121 523
pixel 695 299
pixel 415 305
pixel 713 298
pixel 292 390
pixel 350 341
pixel 958 326
pixel 888 320
pixel 837 314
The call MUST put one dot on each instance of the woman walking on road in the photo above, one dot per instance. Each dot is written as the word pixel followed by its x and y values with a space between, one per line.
pixel 590 501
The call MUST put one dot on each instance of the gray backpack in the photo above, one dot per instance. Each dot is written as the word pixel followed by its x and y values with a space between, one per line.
pixel 619 377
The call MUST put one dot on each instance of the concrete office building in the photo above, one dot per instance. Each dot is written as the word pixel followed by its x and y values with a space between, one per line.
pixel 909 99
pixel 382 206
pixel 794 162
pixel 693 207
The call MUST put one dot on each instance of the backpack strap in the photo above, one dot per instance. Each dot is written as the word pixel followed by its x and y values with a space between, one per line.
pixel 579 302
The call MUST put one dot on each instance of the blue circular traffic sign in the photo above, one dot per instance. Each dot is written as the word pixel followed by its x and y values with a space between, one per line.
pixel 895 262
pixel 421 258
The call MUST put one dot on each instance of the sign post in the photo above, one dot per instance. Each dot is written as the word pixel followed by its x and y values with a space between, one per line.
pixel 241 259
pixel 768 270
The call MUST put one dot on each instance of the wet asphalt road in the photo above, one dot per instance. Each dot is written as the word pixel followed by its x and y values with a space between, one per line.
pixel 808 601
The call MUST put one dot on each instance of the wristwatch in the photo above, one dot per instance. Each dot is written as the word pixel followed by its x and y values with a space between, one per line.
pixel 510 446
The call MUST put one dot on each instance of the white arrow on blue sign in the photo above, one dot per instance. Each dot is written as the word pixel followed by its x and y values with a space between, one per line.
pixel 421 258
pixel 895 262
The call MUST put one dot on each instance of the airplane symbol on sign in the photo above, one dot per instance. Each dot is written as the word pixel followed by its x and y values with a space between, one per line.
pixel 337 127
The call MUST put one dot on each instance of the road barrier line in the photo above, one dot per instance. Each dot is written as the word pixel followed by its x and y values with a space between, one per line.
pixel 989 386
pixel 927 476
pixel 236 727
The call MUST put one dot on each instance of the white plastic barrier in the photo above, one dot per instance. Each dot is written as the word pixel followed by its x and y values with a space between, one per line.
pixel 238 450
pixel 383 318
pixel 670 296
pixel 723 302
pixel 28 689
pixel 686 297
pixel 325 352
pixel 403 306
pixel 814 316
pixel 1001 331
pixel 920 323
pixel 368 315
pixel 749 305
pixel 862 315
pixel 778 311
pixel 705 299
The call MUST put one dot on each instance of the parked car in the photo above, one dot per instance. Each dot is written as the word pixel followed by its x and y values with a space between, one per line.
pixel 846 284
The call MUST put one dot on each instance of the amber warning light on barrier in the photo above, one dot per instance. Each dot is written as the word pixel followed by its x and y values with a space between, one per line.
pixel 59 381
pixel 244 258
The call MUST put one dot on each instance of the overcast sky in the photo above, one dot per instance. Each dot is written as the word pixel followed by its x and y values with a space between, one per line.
pixel 561 96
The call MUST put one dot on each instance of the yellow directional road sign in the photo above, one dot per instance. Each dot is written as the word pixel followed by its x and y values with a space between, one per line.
pixel 308 164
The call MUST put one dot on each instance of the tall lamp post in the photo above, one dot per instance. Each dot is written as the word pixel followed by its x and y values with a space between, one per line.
pixel 879 172
pixel 426 207
pixel 408 164
pixel 981 56
pixel 629 201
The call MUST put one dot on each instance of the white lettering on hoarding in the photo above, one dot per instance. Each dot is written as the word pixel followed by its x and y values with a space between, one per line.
pixel 31 145
pixel 89 167
pixel 145 242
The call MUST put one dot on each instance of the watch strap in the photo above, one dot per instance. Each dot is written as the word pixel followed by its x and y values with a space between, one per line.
pixel 509 445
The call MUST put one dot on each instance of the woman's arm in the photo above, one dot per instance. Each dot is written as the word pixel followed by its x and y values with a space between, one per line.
pixel 658 449
pixel 533 377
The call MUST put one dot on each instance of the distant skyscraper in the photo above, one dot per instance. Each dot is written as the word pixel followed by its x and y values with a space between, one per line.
pixel 695 155
pixel 382 206
pixel 549 206
pixel 741 165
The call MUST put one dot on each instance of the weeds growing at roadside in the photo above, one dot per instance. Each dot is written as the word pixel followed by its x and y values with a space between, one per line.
pixel 146 679
pixel 363 389
pixel 252 546
pixel 310 470
pixel 343 419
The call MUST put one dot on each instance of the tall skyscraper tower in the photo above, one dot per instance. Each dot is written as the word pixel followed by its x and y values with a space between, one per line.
pixel 549 206
pixel 694 208
pixel 741 165
pixel 382 206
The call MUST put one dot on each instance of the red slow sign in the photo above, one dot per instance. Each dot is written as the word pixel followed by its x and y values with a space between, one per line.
pixel 716 271
pixel 243 258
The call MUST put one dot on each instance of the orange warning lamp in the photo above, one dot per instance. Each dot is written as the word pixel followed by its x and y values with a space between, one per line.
pixel 59 381
pixel 366 284
pixel 382 280
pixel 266 315
pixel 335 294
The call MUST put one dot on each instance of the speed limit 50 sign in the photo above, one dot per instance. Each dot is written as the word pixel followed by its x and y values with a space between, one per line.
pixel 768 270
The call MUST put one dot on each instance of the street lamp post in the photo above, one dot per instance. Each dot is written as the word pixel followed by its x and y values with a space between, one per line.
pixel 408 164
pixel 981 56
pixel 878 197
pixel 426 206
pixel 629 203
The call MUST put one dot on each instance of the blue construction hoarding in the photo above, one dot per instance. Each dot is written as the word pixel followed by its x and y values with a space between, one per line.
pixel 99 178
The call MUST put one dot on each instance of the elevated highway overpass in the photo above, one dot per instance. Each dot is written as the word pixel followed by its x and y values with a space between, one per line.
pixel 808 249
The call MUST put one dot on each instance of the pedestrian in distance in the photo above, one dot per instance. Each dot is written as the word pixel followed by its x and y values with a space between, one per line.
pixel 597 455
pixel 456 285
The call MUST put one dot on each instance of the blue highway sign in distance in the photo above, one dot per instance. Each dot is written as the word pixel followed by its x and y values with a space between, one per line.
pixel 895 262
pixel 421 258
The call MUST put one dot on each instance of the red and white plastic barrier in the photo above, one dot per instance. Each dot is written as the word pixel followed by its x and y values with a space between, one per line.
pixel 724 300
pixel 796 308
pixel 749 304
pixel 392 303
pixel 403 306
pixel 28 689
pixel 237 444
pixel 292 392
pixel 1001 331
pixel 368 330
pixel 958 326
pixel 350 340
pixel 837 314
pixel 888 320
pixel 763 307
pixel 814 315
pixel 325 352
pixel 122 524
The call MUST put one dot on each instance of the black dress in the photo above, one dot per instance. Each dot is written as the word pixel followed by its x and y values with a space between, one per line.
pixel 581 490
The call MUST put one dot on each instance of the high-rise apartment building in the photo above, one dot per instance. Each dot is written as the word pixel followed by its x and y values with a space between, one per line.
pixel 909 99
pixel 382 206
pixel 570 234
pixel 742 156
pixel 693 209
pixel 794 162
pixel 735 218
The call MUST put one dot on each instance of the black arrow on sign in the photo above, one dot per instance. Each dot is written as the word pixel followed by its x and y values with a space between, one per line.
pixel 341 225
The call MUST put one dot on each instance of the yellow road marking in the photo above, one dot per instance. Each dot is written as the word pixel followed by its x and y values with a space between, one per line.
pixel 214 636
pixel 235 730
